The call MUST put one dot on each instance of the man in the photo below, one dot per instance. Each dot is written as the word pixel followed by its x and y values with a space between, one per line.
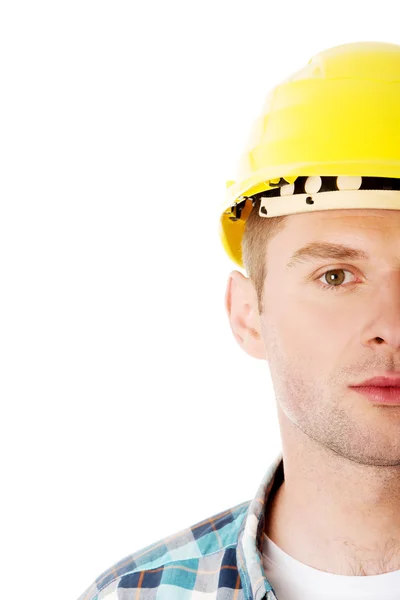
pixel 315 218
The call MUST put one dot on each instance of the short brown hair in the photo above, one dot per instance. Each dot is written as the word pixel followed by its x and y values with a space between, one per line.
pixel 257 232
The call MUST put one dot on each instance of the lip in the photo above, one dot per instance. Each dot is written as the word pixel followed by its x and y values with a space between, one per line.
pixel 382 381
pixel 380 395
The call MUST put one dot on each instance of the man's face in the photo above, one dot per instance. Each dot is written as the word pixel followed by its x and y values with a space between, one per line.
pixel 318 341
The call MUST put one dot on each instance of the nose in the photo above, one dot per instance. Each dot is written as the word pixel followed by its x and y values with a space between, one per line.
pixel 383 313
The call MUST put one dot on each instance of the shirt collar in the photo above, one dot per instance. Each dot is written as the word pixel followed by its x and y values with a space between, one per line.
pixel 250 537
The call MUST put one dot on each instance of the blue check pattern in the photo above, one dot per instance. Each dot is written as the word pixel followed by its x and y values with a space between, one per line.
pixel 218 558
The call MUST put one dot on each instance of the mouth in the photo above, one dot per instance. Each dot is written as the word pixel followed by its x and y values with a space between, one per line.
pixel 380 394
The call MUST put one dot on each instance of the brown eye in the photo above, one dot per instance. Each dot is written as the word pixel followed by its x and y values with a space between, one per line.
pixel 333 277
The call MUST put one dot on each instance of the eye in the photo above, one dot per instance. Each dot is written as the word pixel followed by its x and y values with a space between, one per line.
pixel 335 280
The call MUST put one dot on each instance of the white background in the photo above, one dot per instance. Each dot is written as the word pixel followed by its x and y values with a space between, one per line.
pixel 129 412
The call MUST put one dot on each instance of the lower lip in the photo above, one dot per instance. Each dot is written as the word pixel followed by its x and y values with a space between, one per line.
pixel 382 395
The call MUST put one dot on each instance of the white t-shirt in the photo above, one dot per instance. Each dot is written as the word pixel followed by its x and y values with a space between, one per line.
pixel 292 580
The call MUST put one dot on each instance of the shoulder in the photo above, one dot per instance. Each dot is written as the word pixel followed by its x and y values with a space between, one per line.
pixel 204 549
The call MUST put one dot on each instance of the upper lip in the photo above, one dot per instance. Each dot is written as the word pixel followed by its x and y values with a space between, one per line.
pixel 382 381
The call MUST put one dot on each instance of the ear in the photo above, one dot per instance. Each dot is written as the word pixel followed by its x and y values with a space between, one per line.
pixel 244 318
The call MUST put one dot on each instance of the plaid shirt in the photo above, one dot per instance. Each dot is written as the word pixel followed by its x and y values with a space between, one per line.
pixel 216 559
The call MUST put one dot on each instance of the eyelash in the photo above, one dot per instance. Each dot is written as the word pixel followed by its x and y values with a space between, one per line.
pixel 334 288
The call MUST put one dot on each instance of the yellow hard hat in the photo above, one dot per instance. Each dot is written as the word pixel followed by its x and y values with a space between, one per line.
pixel 333 125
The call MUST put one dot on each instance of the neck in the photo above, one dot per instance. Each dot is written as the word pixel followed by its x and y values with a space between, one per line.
pixel 332 513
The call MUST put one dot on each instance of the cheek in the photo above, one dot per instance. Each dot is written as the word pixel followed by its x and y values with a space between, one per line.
pixel 304 332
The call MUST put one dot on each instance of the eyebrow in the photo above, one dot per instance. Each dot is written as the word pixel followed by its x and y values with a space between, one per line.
pixel 324 250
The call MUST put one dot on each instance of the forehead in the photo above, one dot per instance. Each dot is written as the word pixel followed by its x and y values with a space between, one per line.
pixel 357 228
pixel 335 220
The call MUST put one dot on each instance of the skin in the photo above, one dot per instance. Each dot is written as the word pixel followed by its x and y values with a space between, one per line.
pixel 338 507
